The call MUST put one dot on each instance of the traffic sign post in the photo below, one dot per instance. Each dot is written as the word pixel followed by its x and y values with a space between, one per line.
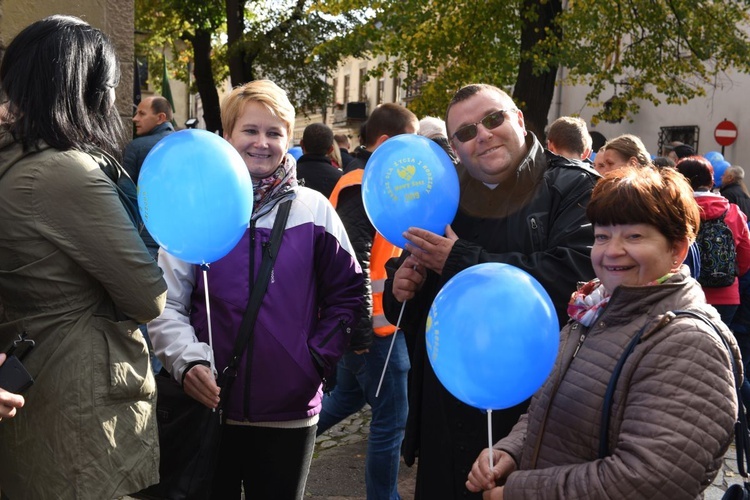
pixel 725 134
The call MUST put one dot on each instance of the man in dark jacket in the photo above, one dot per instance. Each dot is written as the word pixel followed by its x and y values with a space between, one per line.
pixel 518 206
pixel 314 168
pixel 153 122
pixel 360 375
pixel 733 188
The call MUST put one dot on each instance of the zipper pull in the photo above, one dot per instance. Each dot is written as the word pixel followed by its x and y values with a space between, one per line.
pixel 580 343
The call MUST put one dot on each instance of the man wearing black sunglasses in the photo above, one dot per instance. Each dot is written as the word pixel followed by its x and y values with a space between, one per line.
pixel 519 205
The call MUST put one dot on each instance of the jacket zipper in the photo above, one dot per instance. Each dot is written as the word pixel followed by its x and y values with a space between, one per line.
pixel 248 351
pixel 535 237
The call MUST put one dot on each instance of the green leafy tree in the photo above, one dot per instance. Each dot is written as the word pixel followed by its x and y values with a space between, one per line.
pixel 191 29
pixel 649 50
pixel 244 40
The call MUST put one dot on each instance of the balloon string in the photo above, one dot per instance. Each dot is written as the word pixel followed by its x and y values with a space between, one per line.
pixel 208 305
pixel 388 357
pixel 489 437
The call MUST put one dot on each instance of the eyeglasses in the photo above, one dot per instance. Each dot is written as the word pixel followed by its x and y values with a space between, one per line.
pixel 493 120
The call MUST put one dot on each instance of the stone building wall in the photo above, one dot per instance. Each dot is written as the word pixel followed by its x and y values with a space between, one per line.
pixel 114 17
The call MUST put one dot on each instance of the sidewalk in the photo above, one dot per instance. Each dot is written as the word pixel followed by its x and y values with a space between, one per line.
pixel 338 467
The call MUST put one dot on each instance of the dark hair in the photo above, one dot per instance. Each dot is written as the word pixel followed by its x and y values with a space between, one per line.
pixel 389 119
pixel 317 139
pixel 646 195
pixel 160 104
pixel 684 150
pixel 698 172
pixel 663 161
pixel 58 75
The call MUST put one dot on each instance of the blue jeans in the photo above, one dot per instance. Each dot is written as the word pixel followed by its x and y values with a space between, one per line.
pixel 357 381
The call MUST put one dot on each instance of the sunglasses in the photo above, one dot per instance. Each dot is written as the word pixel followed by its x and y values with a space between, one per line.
pixel 493 120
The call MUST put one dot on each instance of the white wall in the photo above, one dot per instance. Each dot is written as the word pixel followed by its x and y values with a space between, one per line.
pixel 731 101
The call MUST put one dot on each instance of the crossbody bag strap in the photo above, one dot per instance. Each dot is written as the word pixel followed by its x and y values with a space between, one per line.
pixel 270 252
pixel 741 437
pixel 607 405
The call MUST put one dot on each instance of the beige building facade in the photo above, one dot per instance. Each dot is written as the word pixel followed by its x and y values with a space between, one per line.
pixel 114 17
pixel 354 98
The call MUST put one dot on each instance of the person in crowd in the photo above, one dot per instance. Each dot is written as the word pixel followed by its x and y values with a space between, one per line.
pixel 623 150
pixel 342 140
pixel 519 206
pixel 663 161
pixel 733 188
pixel 434 128
pixel 335 157
pixel 700 174
pixel 598 162
pixel 360 370
pixel 153 122
pixel 682 151
pixel 312 302
pixel 667 150
pixel 9 402
pixel 76 276
pixel 674 403
pixel 314 167
pixel 568 136
pixel 361 154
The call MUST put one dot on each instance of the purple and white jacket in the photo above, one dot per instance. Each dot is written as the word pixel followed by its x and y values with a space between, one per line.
pixel 314 296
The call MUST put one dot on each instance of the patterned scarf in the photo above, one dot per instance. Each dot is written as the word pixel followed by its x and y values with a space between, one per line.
pixel 591 298
pixel 587 302
pixel 272 187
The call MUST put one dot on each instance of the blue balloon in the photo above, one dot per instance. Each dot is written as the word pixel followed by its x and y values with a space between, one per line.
pixel 492 336
pixel 719 168
pixel 712 156
pixel 295 151
pixel 195 195
pixel 409 181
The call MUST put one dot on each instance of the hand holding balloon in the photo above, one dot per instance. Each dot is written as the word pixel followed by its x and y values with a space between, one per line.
pixel 430 249
pixel 409 279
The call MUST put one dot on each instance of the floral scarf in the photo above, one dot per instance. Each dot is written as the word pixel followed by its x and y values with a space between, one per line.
pixel 591 298
pixel 275 185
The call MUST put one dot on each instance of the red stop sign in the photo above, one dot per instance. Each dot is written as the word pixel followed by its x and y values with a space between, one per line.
pixel 725 133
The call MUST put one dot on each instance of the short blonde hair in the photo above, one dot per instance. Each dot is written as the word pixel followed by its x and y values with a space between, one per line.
pixel 266 92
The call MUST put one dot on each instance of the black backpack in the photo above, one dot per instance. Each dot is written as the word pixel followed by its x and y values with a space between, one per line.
pixel 718 253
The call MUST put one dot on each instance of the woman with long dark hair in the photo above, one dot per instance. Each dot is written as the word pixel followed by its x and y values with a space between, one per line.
pixel 75 276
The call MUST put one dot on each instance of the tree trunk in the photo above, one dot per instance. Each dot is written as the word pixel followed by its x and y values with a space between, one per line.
pixel 239 70
pixel 534 93
pixel 204 80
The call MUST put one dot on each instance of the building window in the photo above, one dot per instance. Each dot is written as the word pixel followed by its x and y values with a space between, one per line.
pixel 396 88
pixel 381 89
pixel 347 84
pixel 362 84
pixel 689 134
pixel 334 90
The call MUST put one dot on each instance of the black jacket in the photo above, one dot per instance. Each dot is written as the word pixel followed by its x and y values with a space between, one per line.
pixel 735 194
pixel 318 173
pixel 537 223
